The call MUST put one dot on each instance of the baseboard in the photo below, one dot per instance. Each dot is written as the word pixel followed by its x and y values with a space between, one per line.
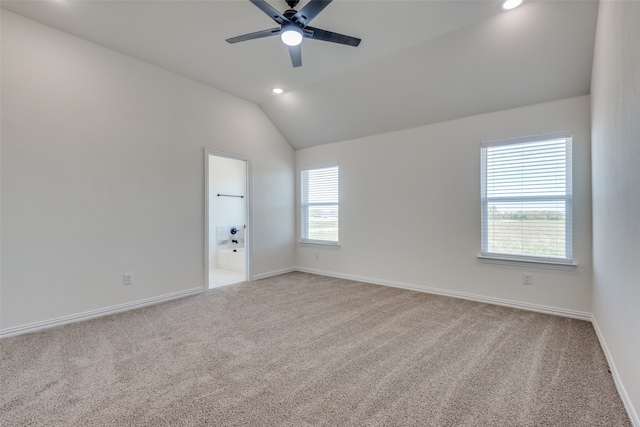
pixel 273 273
pixel 635 420
pixel 633 415
pixel 462 295
pixel 33 327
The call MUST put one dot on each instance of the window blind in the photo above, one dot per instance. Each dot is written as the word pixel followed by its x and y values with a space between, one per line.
pixel 319 205
pixel 527 198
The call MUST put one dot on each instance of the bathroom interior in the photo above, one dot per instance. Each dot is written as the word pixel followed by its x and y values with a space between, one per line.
pixel 227 183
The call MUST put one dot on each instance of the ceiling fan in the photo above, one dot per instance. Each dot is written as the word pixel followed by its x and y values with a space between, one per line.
pixel 294 27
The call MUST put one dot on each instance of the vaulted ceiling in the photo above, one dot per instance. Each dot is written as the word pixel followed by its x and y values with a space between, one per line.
pixel 420 61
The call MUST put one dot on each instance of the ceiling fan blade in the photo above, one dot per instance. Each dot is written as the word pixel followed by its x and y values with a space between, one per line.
pixel 269 10
pixel 330 36
pixel 310 11
pixel 256 35
pixel 296 55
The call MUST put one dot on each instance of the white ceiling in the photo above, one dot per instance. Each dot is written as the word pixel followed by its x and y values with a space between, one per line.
pixel 420 61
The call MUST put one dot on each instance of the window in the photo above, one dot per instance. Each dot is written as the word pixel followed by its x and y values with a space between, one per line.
pixel 319 205
pixel 527 199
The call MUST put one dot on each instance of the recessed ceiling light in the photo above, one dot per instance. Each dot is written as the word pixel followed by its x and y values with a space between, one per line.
pixel 511 4
pixel 277 90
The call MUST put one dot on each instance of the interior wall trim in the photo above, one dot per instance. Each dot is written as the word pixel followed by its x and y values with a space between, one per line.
pixel 635 420
pixel 574 314
pixel 37 326
pixel 581 315
pixel 273 273
pixel 626 400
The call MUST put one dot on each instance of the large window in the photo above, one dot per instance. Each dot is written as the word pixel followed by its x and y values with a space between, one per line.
pixel 527 199
pixel 319 205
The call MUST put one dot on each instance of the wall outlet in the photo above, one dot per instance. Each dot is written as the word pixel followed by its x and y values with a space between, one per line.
pixel 317 255
pixel 128 279
pixel 527 278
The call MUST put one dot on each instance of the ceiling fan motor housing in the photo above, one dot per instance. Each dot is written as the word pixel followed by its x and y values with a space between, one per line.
pixel 289 13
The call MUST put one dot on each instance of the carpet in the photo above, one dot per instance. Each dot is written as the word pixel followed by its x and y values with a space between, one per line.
pixel 306 350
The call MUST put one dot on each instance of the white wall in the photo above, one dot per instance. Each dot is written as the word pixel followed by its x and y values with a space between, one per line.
pixel 410 208
pixel 616 192
pixel 103 173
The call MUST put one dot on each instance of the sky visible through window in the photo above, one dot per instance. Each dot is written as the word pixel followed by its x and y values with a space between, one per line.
pixel 527 170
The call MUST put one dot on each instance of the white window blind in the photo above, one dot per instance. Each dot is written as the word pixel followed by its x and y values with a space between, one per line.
pixel 527 198
pixel 319 205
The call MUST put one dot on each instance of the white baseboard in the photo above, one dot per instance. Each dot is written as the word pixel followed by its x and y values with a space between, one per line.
pixel 273 273
pixel 633 415
pixel 45 324
pixel 462 295
pixel 33 327
pixel 635 420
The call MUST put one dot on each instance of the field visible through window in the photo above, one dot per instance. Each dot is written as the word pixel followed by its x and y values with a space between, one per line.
pixel 538 237
pixel 323 229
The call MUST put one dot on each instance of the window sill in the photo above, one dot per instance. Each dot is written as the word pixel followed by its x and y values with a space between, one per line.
pixel 319 243
pixel 528 263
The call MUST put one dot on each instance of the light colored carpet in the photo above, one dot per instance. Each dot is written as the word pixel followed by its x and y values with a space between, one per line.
pixel 303 350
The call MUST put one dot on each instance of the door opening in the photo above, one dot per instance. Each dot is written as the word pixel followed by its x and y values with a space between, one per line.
pixel 227 218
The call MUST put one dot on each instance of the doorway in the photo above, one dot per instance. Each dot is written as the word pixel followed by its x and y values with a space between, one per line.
pixel 227 216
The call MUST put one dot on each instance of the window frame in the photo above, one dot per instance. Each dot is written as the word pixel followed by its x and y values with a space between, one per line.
pixel 305 204
pixel 540 260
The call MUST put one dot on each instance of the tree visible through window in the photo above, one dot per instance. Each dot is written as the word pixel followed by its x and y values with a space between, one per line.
pixel 527 198
pixel 319 205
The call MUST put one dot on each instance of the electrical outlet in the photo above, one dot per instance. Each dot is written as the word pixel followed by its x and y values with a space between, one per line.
pixel 128 279
pixel 317 255
pixel 527 278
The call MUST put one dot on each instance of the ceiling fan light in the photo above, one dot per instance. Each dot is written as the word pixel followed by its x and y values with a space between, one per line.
pixel 511 4
pixel 291 36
